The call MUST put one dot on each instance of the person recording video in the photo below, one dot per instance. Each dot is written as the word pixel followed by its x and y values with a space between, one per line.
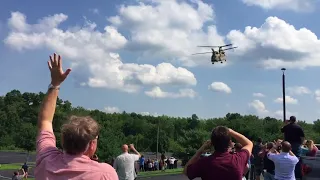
pixel 294 134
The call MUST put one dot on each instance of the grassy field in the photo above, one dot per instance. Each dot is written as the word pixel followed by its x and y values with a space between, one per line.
pixel 17 150
pixel 160 173
pixel 16 166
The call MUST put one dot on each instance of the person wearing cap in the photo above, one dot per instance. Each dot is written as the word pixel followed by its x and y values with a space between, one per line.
pixel 294 134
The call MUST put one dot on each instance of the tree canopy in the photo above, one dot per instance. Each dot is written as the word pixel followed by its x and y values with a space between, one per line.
pixel 18 120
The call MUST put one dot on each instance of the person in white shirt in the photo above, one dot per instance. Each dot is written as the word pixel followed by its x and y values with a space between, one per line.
pixel 124 164
pixel 284 162
pixel 171 162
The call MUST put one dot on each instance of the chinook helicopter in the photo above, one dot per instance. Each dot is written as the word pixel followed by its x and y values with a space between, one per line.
pixel 217 56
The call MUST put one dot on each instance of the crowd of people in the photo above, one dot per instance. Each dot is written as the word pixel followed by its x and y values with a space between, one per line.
pixel 155 164
pixel 230 161
pixel 278 160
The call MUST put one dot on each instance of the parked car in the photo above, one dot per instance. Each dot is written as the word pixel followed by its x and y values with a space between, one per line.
pixel 311 166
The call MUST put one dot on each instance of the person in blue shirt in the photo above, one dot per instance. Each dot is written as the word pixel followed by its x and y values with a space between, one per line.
pixel 141 162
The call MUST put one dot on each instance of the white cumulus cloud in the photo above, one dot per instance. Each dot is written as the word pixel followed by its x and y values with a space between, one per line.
pixel 317 95
pixel 259 108
pixel 279 114
pixel 277 44
pixel 93 54
pixel 289 100
pixel 110 109
pixel 258 95
pixel 294 5
pixel 157 92
pixel 298 90
pixel 220 87
pixel 149 114
pixel 169 29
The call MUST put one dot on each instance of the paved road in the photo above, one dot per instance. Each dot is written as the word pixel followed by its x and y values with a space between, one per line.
pixel 15 157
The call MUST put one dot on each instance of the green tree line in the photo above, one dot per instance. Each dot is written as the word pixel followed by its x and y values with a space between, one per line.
pixel 18 120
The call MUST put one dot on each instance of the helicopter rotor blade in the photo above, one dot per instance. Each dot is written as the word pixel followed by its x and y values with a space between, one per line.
pixel 208 46
pixel 226 45
pixel 229 48
pixel 217 46
pixel 201 53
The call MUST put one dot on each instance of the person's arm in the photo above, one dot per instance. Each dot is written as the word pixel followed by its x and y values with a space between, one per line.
pixel 115 164
pixel 246 169
pixel 245 142
pixel 295 159
pixel 48 107
pixel 262 153
pixel 46 142
pixel 283 129
pixel 302 136
pixel 23 172
pixel 291 153
pixel 47 110
pixel 135 151
pixel 195 168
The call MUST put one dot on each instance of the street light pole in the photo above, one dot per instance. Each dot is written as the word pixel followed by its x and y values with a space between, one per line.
pixel 284 93
pixel 158 139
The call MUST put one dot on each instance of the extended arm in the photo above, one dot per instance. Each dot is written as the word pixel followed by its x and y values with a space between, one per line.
pixel 48 106
pixel 195 158
pixel 134 150
pixel 291 153
pixel 47 110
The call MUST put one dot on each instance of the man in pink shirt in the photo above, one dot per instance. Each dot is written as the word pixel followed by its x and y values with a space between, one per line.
pixel 79 138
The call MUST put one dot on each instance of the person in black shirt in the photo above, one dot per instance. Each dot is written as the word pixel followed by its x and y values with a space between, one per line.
pixel 25 167
pixel 256 163
pixel 268 165
pixel 294 134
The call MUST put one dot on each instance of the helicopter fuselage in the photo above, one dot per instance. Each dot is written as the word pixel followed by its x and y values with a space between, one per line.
pixel 218 56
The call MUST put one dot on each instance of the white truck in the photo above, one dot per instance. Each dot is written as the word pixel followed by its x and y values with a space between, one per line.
pixel 313 164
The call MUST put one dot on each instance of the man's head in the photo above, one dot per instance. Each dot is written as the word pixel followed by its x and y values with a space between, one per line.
pixel 220 138
pixel 286 146
pixel 124 148
pixel 259 140
pixel 292 119
pixel 237 147
pixel 270 145
pixel 309 143
pixel 80 136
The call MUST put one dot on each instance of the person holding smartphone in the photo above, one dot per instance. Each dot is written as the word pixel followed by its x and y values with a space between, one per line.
pixel 221 165
pixel 294 134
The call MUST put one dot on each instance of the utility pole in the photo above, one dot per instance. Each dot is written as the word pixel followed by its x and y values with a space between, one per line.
pixel 284 93
pixel 158 139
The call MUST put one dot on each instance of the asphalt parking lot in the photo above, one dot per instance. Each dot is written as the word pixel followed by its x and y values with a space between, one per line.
pixel 14 157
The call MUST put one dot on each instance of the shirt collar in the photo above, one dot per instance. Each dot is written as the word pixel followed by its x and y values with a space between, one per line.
pixel 284 153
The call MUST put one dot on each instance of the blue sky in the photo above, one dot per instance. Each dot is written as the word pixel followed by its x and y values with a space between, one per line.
pixel 141 61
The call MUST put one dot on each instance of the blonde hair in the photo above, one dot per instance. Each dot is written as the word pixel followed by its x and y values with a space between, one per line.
pixel 77 133
pixel 309 143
